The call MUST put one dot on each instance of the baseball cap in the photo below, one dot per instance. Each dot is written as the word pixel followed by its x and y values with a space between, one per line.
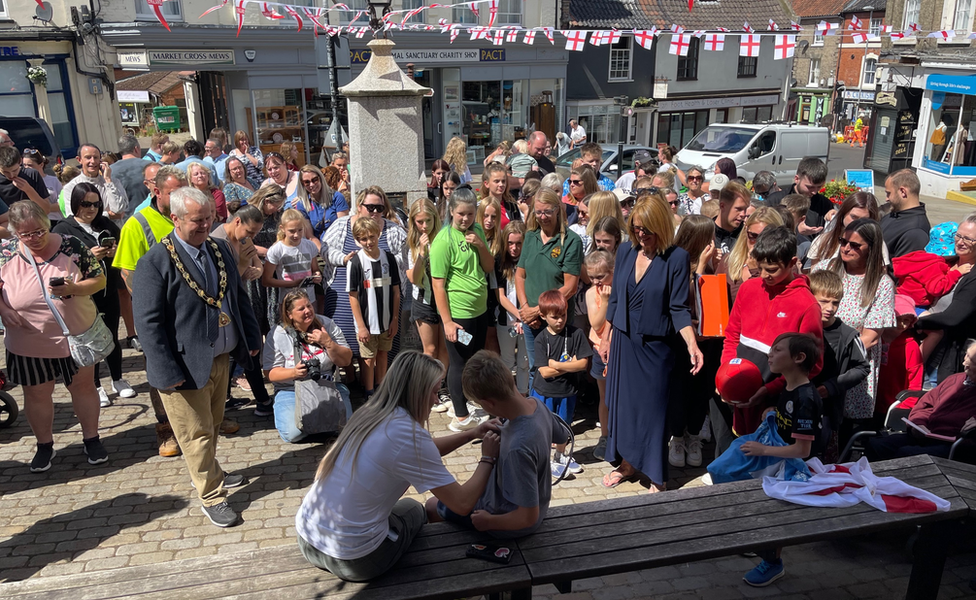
pixel 738 379
pixel 641 157
pixel 718 182
pixel 623 194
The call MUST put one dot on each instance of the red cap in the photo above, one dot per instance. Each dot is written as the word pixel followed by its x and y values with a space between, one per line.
pixel 738 380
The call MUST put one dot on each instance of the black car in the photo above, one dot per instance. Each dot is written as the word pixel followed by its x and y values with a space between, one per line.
pixel 28 132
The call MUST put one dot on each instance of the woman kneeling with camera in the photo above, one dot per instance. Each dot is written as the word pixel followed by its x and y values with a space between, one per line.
pixel 319 346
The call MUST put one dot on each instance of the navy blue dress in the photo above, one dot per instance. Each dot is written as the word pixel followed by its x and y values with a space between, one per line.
pixel 646 318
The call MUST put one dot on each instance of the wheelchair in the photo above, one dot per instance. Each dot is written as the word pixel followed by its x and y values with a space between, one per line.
pixel 8 405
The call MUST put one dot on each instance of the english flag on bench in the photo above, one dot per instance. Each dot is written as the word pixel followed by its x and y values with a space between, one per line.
pixel 851 483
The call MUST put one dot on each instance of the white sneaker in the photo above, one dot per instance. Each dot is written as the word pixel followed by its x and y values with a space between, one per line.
pixel 103 400
pixel 707 479
pixel 469 422
pixel 571 465
pixel 676 452
pixel 706 430
pixel 693 448
pixel 444 403
pixel 473 409
pixel 123 389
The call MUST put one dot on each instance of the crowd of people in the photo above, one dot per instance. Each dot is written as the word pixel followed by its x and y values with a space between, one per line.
pixel 527 291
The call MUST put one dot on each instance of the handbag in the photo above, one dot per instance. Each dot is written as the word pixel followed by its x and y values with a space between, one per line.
pixel 88 348
pixel 319 407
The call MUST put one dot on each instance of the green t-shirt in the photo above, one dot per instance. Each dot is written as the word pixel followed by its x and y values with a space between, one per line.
pixel 545 264
pixel 455 261
pixel 132 241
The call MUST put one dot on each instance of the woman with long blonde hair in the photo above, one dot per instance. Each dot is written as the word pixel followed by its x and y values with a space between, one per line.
pixel 605 204
pixel 345 521
pixel 456 155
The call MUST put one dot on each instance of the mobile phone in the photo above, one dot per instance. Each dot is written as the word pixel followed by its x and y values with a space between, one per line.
pixel 107 242
pixel 464 337
pixel 496 554
pixel 55 281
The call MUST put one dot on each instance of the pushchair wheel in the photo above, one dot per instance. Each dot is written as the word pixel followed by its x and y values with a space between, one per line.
pixel 8 410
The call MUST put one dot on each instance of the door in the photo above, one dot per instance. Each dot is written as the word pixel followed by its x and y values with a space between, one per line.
pixel 761 156
pixel 213 100
pixel 427 109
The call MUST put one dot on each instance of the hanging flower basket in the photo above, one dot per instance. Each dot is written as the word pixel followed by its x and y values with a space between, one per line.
pixel 37 75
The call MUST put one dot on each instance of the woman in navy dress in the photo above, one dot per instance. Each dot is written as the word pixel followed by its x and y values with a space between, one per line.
pixel 648 310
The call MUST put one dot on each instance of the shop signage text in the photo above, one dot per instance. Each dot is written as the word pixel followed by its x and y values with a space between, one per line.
pixel 133 59
pixel 133 96
pixel 403 56
pixel 191 57
pixel 858 95
pixel 702 103
pixel 9 51
pixel 951 83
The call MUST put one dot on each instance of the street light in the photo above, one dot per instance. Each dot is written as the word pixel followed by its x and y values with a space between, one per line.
pixel 381 7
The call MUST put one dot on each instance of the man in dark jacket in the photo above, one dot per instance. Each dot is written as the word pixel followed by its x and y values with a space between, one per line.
pixel 906 227
pixel 811 174
pixel 192 312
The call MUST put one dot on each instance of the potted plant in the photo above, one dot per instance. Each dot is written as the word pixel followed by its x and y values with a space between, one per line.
pixel 838 191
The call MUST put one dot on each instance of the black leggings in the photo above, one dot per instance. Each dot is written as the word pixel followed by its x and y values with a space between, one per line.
pixel 690 394
pixel 255 378
pixel 107 303
pixel 459 355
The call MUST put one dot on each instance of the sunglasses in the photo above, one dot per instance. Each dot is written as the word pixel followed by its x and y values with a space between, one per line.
pixel 673 202
pixel 641 231
pixel 695 178
pixel 84 204
pixel 647 190
pixel 273 155
pixel 575 182
pixel 627 202
pixel 308 182
pixel 374 208
pixel 844 242
pixel 33 153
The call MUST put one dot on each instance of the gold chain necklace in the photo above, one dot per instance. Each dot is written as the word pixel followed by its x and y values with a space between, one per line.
pixel 217 302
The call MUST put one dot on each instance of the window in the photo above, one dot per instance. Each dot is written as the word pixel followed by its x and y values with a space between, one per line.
pixel 412 4
pixel 620 60
pixel 748 65
pixel 911 12
pixel 346 16
pixel 3 8
pixel 818 38
pixel 870 67
pixel 171 10
pixel 814 73
pixel 963 16
pixel 463 15
pixel 874 29
pixel 757 114
pixel 688 65
pixel 509 12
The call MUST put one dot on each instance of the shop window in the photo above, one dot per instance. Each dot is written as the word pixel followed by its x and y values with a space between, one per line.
pixel 621 60
pixel 279 116
pixel 509 12
pixel 16 99
pixel 963 17
pixel 912 8
pixel 688 65
pixel 172 10
pixel 870 70
pixel 412 4
pixel 3 8
pixel 748 66
pixel 463 15
pixel 950 146
pixel 677 129
pixel 814 80
pixel 58 102
pixel 346 16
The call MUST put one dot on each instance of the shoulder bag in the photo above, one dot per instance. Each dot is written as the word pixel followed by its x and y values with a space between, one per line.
pixel 319 407
pixel 89 348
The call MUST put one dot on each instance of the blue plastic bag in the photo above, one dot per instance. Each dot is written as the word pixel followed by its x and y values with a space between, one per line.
pixel 734 465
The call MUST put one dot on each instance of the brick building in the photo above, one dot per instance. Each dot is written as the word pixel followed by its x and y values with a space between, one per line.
pixel 815 62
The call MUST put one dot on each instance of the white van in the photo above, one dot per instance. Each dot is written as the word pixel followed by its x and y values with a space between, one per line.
pixel 778 148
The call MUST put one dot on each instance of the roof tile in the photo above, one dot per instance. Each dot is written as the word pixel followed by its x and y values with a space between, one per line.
pixel 707 14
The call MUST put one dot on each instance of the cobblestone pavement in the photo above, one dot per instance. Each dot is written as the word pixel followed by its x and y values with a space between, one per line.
pixel 139 508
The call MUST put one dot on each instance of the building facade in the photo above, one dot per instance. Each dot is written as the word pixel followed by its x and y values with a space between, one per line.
pixel 815 63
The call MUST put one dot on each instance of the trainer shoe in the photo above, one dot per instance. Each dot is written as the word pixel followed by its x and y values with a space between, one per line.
pixel 229 426
pixel 221 515
pixel 168 446
pixel 557 469
pixel 231 480
pixel 123 389
pixel 134 343
pixel 42 458
pixel 706 430
pixel 243 383
pixel 567 461
pixel 466 423
pixel 600 450
pixel 693 448
pixel 264 410
pixel 96 452
pixel 676 452
pixel 103 399
pixel 443 401
pixel 765 573
pixel 473 409
pixel 707 479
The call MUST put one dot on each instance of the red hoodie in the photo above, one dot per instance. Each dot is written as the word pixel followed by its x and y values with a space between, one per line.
pixel 924 276
pixel 760 314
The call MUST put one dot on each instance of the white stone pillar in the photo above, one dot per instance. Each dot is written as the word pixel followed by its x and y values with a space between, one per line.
pixel 40 95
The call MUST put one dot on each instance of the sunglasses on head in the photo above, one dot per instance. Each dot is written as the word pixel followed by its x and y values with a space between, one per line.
pixel 33 153
pixel 374 208
pixel 854 245
pixel 647 190
pixel 273 155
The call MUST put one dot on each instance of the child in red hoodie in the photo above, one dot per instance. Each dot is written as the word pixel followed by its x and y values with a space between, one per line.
pixel 926 275
pixel 776 302
pixel 901 358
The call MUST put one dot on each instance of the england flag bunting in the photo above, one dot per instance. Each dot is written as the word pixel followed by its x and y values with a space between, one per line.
pixel 897 35
pixel 270 13
pixel 772 26
pixel 478 33
pixel 722 29
pixel 529 38
pixel 675 28
pixel 613 36
pixel 795 26
pixel 362 31
pixel 784 47
pixel 715 42
pixel 454 33
pixel 492 13
pixel 294 14
pixel 239 8
pixel 599 38
pixel 855 24
pixel 945 34
pixel 849 484
pixel 914 27
pixel 972 36
pixel 698 33
pixel 748 28
pixel 859 37
pixel 645 38
pixel 222 4
pixel 575 40
pixel 679 44
pixel 499 37
pixel 512 35
pixel 749 45
pixel 548 31
pixel 825 28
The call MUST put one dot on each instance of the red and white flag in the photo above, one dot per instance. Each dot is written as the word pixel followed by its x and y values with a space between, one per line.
pixel 361 32
pixel 512 35
pixel 239 7
pixel 859 37
pixel 722 29
pixel 825 28
pixel 675 28
pixel 914 27
pixel 855 24
pixel 222 4
pixel 972 36
pixel 715 42
pixel 575 40
pixel 772 26
pixel 157 6
pixel 885 29
pixel 548 31
pixel 478 33
pixel 645 38
pixel 784 47
pixel 499 38
pixel 613 36
pixel 599 38
pixel 294 14
pixel 679 44
pixel 529 38
pixel 492 12
pixel 270 13
pixel 473 6
pixel 748 28
pixel 849 484
pixel 311 16
pixel 749 45
pixel 897 35
pixel 795 26
pixel 698 33
pixel 454 34
pixel 445 26
pixel 945 34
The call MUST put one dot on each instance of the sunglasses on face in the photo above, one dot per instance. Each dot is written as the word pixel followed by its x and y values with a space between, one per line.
pixel 844 242
pixel 673 202
pixel 695 178
pixel 374 208
pixel 308 182
pixel 575 182
pixel 641 231
pixel 84 204
pixel 627 203
pixel 752 235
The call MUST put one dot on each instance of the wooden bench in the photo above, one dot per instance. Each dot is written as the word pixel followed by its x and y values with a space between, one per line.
pixel 435 567
pixel 629 534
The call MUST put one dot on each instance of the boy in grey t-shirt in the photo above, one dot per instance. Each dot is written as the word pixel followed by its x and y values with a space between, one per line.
pixel 517 496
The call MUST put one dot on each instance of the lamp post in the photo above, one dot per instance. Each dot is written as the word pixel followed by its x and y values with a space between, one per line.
pixel 867 46
pixel 381 8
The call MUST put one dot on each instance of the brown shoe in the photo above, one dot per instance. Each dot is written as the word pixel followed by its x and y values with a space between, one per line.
pixel 227 427
pixel 168 445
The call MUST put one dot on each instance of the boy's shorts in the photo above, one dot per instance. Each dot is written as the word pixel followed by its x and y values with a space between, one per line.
pixel 452 517
pixel 562 407
pixel 377 343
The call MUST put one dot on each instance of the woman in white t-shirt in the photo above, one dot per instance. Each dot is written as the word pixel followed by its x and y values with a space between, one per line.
pixel 353 522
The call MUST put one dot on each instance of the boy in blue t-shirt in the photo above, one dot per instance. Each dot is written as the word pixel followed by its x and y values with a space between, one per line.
pixel 561 351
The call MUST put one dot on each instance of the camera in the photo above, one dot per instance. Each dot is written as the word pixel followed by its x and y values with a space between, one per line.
pixel 313 365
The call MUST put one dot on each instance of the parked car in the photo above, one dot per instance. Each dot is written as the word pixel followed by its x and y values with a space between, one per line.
pixel 564 164
pixel 29 132
pixel 777 148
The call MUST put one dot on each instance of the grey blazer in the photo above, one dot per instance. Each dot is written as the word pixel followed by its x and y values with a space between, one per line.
pixel 172 320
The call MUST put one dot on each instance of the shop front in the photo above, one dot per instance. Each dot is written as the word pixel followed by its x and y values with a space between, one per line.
pixel 483 94
pixel 945 150
pixel 893 124
pixel 811 106
pixel 856 102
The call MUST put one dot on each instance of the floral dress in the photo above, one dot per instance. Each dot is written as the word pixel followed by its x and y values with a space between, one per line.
pixel 691 206
pixel 859 402
pixel 235 192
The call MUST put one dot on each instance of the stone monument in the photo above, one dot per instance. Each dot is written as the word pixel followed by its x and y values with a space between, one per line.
pixel 386 126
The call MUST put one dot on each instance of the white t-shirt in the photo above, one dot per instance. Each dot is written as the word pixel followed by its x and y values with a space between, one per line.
pixel 279 351
pixel 347 517
pixel 294 263
pixel 626 181
pixel 577 134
